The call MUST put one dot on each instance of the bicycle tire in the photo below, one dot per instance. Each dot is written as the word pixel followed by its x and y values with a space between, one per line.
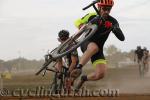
pixel 54 85
pixel 43 67
pixel 85 34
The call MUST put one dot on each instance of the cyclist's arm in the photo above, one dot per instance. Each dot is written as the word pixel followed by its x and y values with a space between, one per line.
pixel 118 32
pixel 74 60
pixel 73 64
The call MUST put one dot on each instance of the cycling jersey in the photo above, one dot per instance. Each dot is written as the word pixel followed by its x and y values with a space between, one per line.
pixel 99 38
pixel 139 53
pixel 67 58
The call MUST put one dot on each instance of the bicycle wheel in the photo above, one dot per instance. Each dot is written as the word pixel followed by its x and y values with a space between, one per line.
pixel 60 87
pixel 75 41
pixel 54 85
pixel 141 69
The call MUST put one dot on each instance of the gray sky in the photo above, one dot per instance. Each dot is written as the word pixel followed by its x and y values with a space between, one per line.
pixel 28 28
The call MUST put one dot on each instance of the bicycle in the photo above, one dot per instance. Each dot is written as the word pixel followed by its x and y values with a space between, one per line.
pixel 143 67
pixel 61 82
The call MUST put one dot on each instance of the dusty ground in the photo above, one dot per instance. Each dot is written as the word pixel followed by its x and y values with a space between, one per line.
pixel 126 80
pixel 121 97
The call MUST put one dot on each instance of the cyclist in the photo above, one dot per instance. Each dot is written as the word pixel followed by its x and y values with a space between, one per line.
pixel 71 60
pixel 93 48
pixel 146 58
pixel 138 54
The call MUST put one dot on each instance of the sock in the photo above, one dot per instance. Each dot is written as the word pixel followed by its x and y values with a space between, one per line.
pixel 84 78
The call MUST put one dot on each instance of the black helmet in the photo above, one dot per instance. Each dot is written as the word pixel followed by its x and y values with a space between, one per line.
pixel 138 47
pixel 63 34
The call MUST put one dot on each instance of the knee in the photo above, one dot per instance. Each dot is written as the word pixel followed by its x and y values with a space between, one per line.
pixel 94 48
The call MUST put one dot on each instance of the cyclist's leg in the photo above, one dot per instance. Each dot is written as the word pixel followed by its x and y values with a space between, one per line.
pixel 99 62
pixel 96 75
pixel 91 50
pixel 100 68
pixel 67 81
pixel 141 67
pixel 146 65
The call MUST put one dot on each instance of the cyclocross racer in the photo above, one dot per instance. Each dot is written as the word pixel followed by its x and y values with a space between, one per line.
pixel 93 48
pixel 70 60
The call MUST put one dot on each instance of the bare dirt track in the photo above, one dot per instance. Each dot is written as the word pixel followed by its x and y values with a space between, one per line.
pixel 120 97
pixel 131 86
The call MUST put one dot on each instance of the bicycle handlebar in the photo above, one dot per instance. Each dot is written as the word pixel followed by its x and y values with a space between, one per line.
pixel 93 3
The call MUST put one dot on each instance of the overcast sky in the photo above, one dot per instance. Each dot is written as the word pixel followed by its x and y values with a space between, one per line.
pixel 28 28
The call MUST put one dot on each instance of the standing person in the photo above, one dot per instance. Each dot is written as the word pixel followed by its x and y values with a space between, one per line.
pixel 93 48
pixel 71 60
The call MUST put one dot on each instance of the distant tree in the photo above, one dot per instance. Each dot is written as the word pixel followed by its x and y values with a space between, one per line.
pixel 111 49
pixel 1 61
pixel 114 55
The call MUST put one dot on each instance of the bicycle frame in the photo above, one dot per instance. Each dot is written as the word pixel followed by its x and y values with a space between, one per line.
pixel 58 83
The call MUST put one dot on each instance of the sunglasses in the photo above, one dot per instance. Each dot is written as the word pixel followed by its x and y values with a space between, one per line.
pixel 106 8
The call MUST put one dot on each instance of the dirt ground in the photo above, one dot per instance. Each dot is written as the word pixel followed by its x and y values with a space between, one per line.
pixel 126 80
pixel 121 97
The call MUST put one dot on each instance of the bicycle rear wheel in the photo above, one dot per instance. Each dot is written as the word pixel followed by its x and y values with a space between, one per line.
pixel 75 41
pixel 54 85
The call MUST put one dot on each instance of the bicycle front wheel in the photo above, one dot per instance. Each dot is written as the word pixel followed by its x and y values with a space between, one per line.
pixel 75 41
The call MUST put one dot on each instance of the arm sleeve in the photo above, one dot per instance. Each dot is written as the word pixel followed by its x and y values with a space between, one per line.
pixel 118 32
pixel 84 19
